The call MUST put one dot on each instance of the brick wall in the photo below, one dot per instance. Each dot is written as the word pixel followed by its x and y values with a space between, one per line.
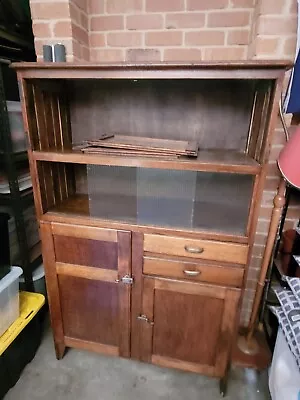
pixel 184 30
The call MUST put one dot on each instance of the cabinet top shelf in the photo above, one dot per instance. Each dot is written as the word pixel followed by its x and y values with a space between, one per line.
pixel 258 69
pixel 207 160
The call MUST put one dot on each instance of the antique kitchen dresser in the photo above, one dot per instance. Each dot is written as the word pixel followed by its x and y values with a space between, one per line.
pixel 146 257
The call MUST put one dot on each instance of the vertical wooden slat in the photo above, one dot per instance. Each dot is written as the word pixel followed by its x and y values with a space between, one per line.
pixel 65 124
pixel 136 307
pixel 147 327
pixel 229 320
pixel 124 268
pixel 40 118
pixel 30 125
pixel 52 289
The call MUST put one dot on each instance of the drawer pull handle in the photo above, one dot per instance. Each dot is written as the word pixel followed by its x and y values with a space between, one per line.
pixel 194 250
pixel 191 273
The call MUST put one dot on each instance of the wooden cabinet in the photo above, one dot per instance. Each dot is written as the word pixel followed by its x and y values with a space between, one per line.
pixel 89 303
pixel 187 325
pixel 147 256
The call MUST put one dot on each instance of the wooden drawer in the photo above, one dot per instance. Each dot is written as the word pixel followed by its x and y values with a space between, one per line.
pixel 200 272
pixel 235 253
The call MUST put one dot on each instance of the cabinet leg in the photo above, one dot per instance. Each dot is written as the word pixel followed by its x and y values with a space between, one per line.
pixel 60 349
pixel 224 384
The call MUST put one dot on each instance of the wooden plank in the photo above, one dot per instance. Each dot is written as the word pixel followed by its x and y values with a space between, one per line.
pixel 178 147
pixel 218 274
pixel 200 249
pixel 91 346
pixel 40 118
pixel 210 161
pixel 124 268
pixel 86 272
pixel 84 232
pixel 228 328
pixel 52 288
pixel 189 288
pixel 136 304
pixel 183 365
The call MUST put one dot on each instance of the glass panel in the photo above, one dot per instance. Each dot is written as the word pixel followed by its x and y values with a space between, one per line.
pixel 184 199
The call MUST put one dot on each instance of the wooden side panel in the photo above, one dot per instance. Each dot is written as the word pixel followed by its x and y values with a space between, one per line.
pixel 90 309
pixel 93 253
pixel 52 288
pixel 228 330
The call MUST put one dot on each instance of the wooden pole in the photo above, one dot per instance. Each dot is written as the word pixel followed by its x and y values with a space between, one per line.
pixel 279 201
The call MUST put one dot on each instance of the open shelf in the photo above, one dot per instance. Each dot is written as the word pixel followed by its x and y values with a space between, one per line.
pixel 207 160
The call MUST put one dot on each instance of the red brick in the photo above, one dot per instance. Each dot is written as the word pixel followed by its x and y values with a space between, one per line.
pixel 96 7
pixel 270 25
pixel 185 20
pixel 242 3
pixel 169 38
pixel 238 37
pixel 228 19
pixel 265 45
pixel 49 10
pixel 106 55
pixel 272 169
pixel 271 7
pixel 290 46
pixel 224 53
pixel 84 22
pixel 164 5
pixel 85 53
pixel 293 7
pixel 124 39
pixel 182 55
pixel 80 34
pixel 262 225
pixel 123 6
pixel 82 4
pixel 107 23
pixel 41 30
pixel 144 21
pixel 62 29
pixel 204 38
pixel 97 40
pixel 143 55
pixel 206 5
pixel 75 13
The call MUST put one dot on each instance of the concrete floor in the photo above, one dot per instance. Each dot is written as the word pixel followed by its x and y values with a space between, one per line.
pixel 87 376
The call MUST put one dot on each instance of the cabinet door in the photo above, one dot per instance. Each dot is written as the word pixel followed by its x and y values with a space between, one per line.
pixel 89 301
pixel 187 325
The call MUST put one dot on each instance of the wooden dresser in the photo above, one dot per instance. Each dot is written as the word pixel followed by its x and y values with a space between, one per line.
pixel 147 257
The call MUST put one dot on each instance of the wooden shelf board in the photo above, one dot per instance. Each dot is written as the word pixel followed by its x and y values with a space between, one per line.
pixel 207 160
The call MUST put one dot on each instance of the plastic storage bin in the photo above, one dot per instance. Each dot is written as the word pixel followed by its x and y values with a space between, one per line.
pixel 9 298
pixel 38 277
pixel 16 125
pixel 20 342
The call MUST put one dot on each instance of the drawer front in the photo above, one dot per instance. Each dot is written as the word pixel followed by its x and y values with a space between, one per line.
pixel 220 275
pixel 203 249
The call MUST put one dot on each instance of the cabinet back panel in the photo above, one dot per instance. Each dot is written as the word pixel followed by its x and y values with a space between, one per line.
pixel 92 253
pixel 179 333
pixel 89 309
pixel 215 113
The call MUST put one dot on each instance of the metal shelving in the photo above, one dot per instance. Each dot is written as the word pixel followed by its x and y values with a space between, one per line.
pixel 16 200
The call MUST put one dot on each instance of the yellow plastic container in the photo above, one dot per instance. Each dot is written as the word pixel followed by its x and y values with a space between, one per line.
pixel 30 304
